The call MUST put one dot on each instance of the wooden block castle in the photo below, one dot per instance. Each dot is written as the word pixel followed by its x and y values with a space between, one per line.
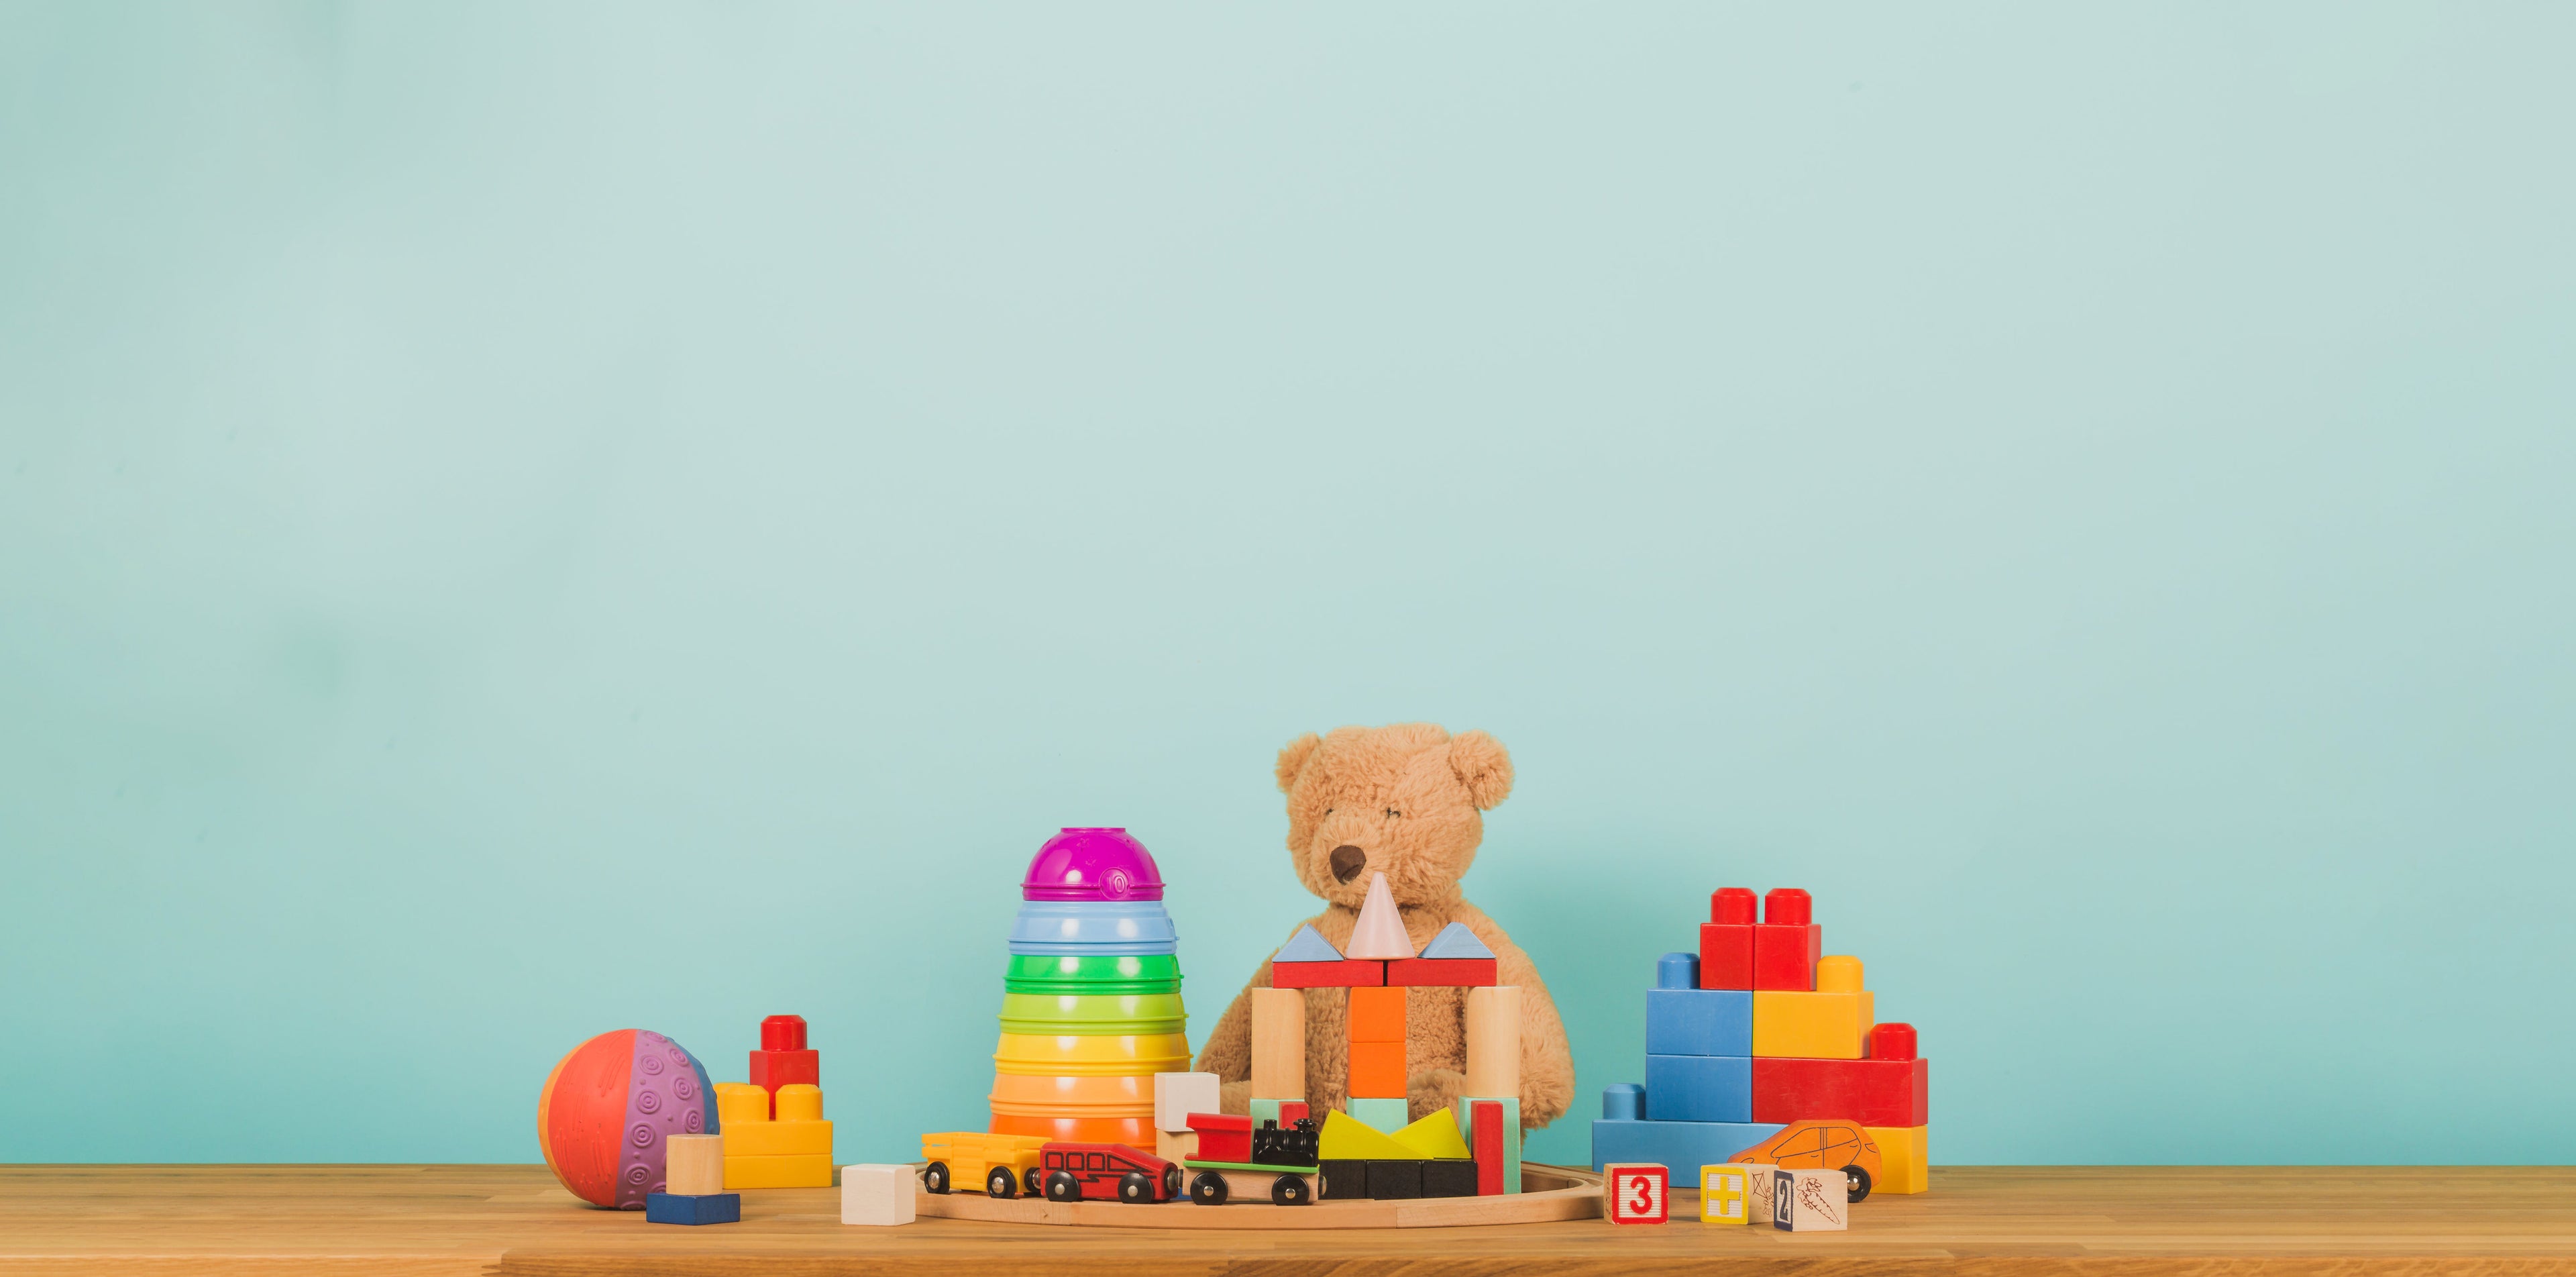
pixel 1759 1029
pixel 1370 1149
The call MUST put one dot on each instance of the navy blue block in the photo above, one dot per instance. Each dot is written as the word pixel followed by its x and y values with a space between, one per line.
pixel 1677 971
pixel 1626 1101
pixel 1699 1022
pixel 1699 1088
pixel 1675 1145
pixel 693 1208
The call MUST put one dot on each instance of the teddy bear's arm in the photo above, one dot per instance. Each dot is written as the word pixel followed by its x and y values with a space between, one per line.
pixel 1547 1062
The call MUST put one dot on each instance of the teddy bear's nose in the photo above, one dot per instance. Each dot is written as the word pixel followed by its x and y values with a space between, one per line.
pixel 1347 862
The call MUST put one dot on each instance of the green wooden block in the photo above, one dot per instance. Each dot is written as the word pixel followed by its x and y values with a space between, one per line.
pixel 1264 1111
pixel 1386 1114
pixel 1511 1133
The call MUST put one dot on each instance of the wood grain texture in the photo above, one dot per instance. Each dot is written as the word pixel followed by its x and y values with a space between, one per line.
pixel 2000 1221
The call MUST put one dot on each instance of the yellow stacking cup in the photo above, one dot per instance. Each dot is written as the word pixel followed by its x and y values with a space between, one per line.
pixel 1078 1056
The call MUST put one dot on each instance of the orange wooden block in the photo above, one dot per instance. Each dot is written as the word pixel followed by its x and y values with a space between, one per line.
pixel 1377 1070
pixel 1377 1015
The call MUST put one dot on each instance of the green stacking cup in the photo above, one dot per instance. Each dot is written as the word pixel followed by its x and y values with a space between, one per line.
pixel 1093 1014
pixel 1132 973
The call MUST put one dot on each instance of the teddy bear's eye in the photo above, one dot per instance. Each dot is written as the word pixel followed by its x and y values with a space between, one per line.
pixel 1393 814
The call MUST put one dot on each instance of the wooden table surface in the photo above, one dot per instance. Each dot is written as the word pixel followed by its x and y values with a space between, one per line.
pixel 2027 1222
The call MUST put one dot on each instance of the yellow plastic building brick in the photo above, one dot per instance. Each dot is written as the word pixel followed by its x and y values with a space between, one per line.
pixel 1347 1138
pixel 1721 1195
pixel 1821 1026
pixel 1433 1136
pixel 1903 1164
pixel 799 1102
pixel 803 1170
pixel 740 1102
pixel 778 1139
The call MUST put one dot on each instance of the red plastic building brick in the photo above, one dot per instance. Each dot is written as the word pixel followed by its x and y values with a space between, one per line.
pixel 783 1033
pixel 1786 943
pixel 1726 940
pixel 1443 972
pixel 1223 1137
pixel 1291 1112
pixel 1892 1042
pixel 1349 973
pixel 771 1070
pixel 1869 1092
pixel 1487 1121
pixel 1731 906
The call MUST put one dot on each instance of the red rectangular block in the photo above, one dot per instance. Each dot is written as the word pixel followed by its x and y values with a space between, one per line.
pixel 1443 972
pixel 1784 957
pixel 1291 1112
pixel 1349 973
pixel 1487 1121
pixel 1870 1092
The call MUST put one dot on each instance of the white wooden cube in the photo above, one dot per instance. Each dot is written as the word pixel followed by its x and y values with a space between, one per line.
pixel 878 1195
pixel 1177 1095
pixel 1810 1201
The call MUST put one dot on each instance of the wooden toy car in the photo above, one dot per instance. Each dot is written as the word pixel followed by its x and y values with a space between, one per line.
pixel 1069 1172
pixel 1822 1144
pixel 1003 1162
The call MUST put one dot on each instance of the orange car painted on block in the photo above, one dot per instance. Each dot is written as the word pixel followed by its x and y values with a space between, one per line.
pixel 1821 1144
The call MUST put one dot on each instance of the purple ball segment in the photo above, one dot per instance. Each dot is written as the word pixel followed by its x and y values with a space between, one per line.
pixel 1092 864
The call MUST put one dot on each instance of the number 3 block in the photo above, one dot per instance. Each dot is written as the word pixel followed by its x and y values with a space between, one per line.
pixel 1635 1192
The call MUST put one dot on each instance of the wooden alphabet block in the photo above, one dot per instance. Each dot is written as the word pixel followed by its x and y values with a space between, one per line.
pixel 1721 1194
pixel 1810 1201
pixel 1635 1192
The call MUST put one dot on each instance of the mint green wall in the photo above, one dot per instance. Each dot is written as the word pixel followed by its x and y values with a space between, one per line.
pixel 515 523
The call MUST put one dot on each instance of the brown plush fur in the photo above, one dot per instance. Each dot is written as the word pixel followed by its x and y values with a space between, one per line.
pixel 1410 798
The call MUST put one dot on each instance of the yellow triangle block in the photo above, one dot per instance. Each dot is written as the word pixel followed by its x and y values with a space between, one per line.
pixel 1434 1136
pixel 1346 1136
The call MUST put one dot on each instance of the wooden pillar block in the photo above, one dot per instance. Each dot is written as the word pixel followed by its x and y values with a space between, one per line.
pixel 1494 1040
pixel 694 1164
pixel 1279 1044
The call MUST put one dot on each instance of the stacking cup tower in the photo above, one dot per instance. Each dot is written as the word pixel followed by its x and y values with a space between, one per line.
pixel 1091 1009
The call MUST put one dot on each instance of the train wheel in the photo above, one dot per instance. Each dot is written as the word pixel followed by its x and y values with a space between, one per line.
pixel 1001 1183
pixel 1063 1187
pixel 1135 1186
pixel 935 1177
pixel 1172 1182
pixel 1290 1190
pixel 1208 1189
pixel 1035 1188
pixel 1859 1182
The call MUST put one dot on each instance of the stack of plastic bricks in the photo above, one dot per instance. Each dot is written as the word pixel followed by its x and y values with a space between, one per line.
pixel 1092 1006
pixel 1760 1029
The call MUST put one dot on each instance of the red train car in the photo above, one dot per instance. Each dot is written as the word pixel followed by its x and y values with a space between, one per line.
pixel 1109 1172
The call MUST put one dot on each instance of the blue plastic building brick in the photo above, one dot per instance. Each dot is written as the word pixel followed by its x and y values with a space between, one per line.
pixel 1699 1088
pixel 693 1208
pixel 1699 1022
pixel 1677 971
pixel 1625 1102
pixel 1691 1144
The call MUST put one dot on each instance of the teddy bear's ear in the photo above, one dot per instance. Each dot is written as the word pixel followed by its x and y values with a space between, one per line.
pixel 1483 766
pixel 1292 760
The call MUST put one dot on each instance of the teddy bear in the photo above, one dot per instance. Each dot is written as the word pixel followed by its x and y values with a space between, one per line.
pixel 1406 801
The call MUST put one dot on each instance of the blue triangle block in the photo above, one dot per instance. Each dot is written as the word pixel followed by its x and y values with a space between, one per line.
pixel 1456 941
pixel 1308 945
